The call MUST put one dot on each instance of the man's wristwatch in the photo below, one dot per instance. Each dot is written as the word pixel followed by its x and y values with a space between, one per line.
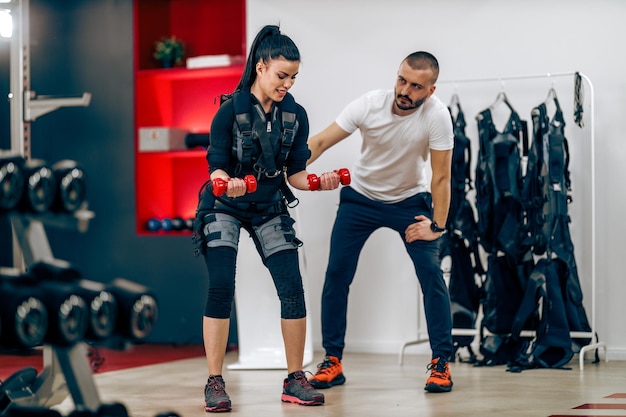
pixel 435 228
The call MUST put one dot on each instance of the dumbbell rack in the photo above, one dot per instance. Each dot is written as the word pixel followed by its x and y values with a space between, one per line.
pixel 66 369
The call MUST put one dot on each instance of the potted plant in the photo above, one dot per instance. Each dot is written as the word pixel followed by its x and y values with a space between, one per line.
pixel 170 51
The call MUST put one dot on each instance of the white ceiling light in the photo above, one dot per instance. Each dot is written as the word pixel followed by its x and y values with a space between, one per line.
pixel 6 23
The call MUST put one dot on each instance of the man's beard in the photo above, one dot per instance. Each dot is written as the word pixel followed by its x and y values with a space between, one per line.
pixel 412 105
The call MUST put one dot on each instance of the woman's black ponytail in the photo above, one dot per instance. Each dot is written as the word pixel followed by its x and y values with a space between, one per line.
pixel 268 44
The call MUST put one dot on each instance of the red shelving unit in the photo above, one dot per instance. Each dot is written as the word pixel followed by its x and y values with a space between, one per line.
pixel 167 182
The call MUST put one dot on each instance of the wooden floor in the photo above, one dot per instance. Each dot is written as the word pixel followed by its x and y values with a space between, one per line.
pixel 377 385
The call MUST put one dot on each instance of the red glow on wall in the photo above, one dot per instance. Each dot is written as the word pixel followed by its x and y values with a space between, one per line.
pixel 167 182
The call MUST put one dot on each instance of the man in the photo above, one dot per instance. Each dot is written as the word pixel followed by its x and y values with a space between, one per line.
pixel 400 129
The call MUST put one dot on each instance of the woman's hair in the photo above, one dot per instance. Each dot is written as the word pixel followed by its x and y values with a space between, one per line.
pixel 269 44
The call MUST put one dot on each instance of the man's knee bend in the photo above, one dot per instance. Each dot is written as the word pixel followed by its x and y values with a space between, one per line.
pixel 337 281
pixel 340 273
pixel 432 280
pixel 293 307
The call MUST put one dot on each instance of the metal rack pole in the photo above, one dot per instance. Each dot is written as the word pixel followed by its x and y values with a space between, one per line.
pixel 66 370
pixel 19 82
pixel 24 105
pixel 20 77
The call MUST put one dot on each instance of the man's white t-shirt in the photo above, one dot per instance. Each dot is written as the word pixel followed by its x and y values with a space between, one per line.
pixel 395 149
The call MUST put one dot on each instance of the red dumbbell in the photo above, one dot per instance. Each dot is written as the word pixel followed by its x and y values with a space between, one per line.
pixel 314 180
pixel 220 185
pixel 344 176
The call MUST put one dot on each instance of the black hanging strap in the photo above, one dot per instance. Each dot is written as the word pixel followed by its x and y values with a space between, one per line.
pixel 578 100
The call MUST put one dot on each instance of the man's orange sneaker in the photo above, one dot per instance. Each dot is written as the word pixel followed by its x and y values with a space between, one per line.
pixel 329 373
pixel 440 379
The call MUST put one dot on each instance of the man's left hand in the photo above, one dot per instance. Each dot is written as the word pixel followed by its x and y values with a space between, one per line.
pixel 420 230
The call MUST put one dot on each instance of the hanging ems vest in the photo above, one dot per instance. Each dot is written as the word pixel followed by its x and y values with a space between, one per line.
pixel 547 181
pixel 501 229
pixel 460 244
pixel 461 160
pixel 546 193
pixel 499 183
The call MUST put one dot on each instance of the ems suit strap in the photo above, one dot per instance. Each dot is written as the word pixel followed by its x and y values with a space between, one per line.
pixel 524 137
pixel 288 132
pixel 459 122
pixel 519 129
pixel 274 163
pixel 486 130
pixel 557 128
pixel 242 118
pixel 556 169
pixel 292 200
pixel 269 166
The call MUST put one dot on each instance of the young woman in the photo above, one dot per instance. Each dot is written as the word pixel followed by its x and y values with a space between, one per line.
pixel 258 141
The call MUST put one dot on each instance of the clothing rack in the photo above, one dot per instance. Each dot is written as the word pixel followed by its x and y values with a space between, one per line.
pixel 592 334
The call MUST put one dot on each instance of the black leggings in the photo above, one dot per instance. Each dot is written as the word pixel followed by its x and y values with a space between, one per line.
pixel 283 266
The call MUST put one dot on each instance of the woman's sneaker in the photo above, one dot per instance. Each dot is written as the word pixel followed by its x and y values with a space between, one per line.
pixel 329 373
pixel 215 398
pixel 297 389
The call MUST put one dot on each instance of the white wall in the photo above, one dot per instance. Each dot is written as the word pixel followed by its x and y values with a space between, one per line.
pixel 351 46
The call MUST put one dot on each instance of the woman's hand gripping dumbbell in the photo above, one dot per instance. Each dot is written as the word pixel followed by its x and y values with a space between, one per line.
pixel 220 186
pixel 315 182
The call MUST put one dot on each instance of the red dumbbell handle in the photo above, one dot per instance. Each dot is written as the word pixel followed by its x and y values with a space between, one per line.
pixel 220 185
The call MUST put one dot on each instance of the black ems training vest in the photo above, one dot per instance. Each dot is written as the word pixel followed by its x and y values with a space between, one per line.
pixel 261 148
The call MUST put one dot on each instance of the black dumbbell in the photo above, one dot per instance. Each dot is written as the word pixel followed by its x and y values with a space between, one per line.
pixel 138 309
pixel 39 186
pixel 11 181
pixel 102 308
pixel 68 310
pixel 23 314
pixel 197 140
pixel 71 186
